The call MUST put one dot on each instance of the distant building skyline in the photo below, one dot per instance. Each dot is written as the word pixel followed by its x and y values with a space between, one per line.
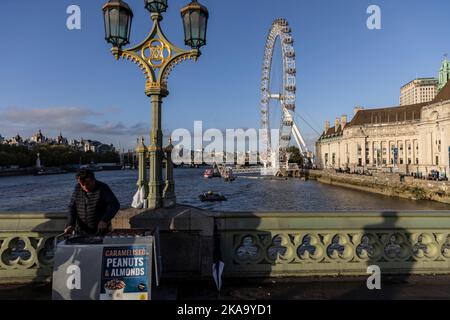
pixel 39 138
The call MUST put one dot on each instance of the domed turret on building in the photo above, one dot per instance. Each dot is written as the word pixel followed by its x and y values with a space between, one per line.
pixel 61 140
pixel 17 140
pixel 444 73
pixel 38 137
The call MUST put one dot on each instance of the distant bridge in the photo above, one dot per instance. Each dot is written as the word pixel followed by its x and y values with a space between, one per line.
pixel 292 169
pixel 247 170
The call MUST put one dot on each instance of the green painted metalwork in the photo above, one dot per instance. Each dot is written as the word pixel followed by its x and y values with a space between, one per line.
pixel 335 243
pixel 141 151
pixel 26 245
pixel 169 196
pixel 267 244
pixel 156 56
pixel 444 73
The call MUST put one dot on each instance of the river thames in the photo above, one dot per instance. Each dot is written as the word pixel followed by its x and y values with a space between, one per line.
pixel 52 193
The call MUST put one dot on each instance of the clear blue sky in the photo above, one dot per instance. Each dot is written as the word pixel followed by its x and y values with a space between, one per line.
pixel 53 78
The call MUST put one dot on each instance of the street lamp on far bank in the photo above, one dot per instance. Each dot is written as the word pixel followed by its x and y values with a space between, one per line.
pixel 156 56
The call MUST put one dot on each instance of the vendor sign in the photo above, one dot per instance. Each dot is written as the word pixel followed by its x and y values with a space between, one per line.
pixel 125 273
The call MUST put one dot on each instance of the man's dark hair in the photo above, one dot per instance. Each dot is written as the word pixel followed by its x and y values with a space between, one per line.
pixel 84 174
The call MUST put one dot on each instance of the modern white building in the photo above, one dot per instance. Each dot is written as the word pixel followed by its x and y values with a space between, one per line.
pixel 418 91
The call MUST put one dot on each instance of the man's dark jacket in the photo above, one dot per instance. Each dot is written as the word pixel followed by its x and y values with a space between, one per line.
pixel 87 209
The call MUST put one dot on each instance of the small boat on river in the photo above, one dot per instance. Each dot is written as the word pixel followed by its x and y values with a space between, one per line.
pixel 228 175
pixel 209 173
pixel 211 196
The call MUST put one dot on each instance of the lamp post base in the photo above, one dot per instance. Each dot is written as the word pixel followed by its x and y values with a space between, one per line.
pixel 153 204
pixel 154 200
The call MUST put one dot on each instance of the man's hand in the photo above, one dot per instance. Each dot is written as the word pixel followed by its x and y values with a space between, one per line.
pixel 69 230
pixel 102 227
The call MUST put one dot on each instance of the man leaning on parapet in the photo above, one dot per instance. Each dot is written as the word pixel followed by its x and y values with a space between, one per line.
pixel 92 207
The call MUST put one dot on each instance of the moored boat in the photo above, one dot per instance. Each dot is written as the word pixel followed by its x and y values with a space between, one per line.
pixel 46 172
pixel 92 167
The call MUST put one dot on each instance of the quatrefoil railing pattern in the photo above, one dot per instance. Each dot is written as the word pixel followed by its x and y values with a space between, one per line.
pixel 25 252
pixel 336 252
pixel 262 244
pixel 376 246
pixel 27 245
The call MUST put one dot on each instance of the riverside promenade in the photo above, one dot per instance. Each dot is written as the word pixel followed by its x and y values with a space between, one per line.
pixel 388 184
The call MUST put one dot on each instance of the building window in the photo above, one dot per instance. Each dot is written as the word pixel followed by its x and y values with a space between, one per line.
pixel 359 162
pixel 437 160
pixel 326 159
pixel 333 159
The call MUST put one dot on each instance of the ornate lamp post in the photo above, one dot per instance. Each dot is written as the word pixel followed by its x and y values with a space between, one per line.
pixel 156 56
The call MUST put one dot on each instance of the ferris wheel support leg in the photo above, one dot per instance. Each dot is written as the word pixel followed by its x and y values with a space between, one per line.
pixel 299 138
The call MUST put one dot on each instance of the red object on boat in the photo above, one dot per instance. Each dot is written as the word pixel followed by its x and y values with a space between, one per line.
pixel 209 173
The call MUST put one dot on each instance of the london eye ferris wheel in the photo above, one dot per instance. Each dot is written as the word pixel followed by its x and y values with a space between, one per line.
pixel 274 152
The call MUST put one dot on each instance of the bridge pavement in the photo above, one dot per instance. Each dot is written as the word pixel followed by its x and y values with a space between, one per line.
pixel 351 288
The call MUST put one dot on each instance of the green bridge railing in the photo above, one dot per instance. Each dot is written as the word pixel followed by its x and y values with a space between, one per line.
pixel 267 244
pixel 26 245
pixel 334 243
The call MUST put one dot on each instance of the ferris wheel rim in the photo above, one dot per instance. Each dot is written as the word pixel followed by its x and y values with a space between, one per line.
pixel 279 31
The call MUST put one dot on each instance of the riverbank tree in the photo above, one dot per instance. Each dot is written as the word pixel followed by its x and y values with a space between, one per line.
pixel 52 156
pixel 295 155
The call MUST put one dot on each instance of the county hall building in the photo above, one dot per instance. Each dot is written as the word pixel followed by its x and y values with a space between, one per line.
pixel 412 138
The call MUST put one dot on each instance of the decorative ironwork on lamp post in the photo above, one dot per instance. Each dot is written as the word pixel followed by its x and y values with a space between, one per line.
pixel 156 56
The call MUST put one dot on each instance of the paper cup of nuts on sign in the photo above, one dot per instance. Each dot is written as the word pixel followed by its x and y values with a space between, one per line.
pixel 114 289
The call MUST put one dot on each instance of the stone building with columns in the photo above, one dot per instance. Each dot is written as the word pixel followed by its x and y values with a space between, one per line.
pixel 408 139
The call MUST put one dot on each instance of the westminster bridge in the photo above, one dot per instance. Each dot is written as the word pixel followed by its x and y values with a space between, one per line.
pixel 266 245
